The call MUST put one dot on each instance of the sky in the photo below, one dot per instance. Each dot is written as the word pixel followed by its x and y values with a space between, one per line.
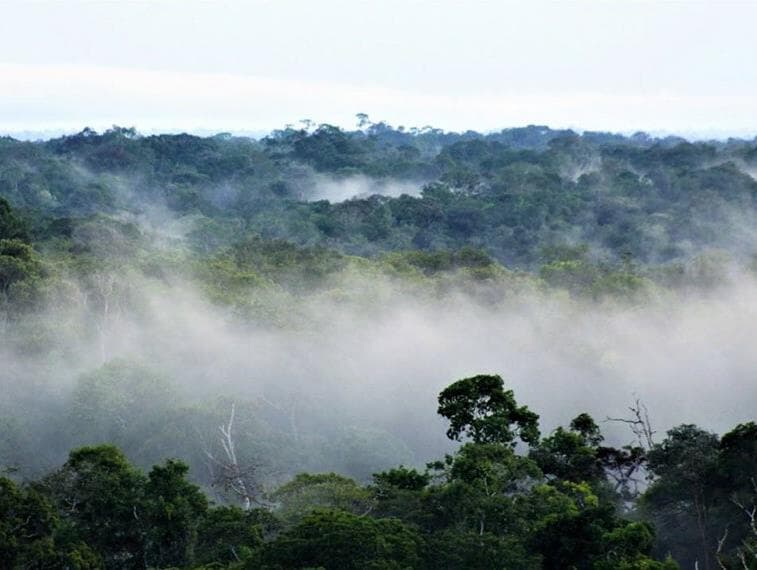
pixel 618 65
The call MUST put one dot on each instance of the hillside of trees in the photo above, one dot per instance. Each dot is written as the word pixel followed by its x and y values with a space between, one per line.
pixel 220 352
pixel 516 194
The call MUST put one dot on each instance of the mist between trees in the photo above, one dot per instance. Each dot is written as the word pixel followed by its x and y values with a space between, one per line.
pixel 199 299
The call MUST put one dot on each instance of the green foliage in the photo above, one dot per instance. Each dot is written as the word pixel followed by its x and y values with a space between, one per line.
pixel 98 489
pixel 484 506
pixel 589 534
pixel 307 492
pixel 402 478
pixel 327 148
pixel 434 262
pixel 737 457
pixel 337 539
pixel 583 278
pixel 11 227
pixel 227 535
pixel 469 550
pixel 481 409
pixel 20 273
pixel 173 508
pixel 484 482
pixel 118 401
pixel 401 493
pixel 27 523
pixel 603 217
pixel 702 494
pixel 285 263
pixel 515 194
pixel 107 513
pixel 572 455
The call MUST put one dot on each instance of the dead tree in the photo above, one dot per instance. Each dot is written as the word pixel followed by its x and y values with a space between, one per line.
pixel 625 466
pixel 229 474
pixel 747 551
pixel 640 425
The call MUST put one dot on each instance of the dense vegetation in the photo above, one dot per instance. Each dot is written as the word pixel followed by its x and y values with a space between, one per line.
pixel 515 194
pixel 232 448
pixel 560 505
pixel 574 208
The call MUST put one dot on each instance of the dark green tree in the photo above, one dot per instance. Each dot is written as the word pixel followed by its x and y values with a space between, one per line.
pixel 27 526
pixel 680 499
pixel 228 534
pixel 11 226
pixel 99 495
pixel 481 409
pixel 173 509
pixel 341 540
pixel 572 454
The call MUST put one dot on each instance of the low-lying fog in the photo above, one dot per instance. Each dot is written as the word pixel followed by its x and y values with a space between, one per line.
pixel 340 189
pixel 376 357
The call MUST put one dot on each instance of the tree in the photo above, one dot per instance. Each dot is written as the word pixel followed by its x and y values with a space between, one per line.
pixel 481 409
pixel 229 473
pixel 573 528
pixel 403 478
pixel 336 539
pixel 572 455
pixel 20 271
pixel 307 492
pixel 456 549
pixel 116 403
pixel 400 493
pixel 628 547
pixel 11 227
pixel 27 524
pixel 100 495
pixel 173 508
pixel 483 481
pixel 228 534
pixel 680 498
pixel 736 496
pixel 737 460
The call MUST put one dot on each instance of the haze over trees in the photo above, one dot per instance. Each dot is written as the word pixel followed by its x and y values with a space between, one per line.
pixel 225 351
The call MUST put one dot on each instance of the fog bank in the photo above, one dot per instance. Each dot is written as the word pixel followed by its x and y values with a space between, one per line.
pixel 373 357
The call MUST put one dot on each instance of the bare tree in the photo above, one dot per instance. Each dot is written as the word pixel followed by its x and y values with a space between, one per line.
pixel 639 424
pixel 625 466
pixel 229 474
pixel 719 551
pixel 747 552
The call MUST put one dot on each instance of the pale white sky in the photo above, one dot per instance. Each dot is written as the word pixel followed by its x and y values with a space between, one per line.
pixel 685 67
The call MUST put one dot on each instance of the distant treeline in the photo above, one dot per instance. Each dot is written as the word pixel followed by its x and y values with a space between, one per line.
pixel 596 214
pixel 515 194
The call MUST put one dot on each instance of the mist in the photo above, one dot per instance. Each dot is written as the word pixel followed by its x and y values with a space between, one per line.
pixel 371 354
pixel 336 189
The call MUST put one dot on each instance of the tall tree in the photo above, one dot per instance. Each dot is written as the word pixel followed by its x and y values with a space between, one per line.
pixel 480 409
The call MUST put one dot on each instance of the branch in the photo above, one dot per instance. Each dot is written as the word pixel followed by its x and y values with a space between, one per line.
pixel 639 423
pixel 718 552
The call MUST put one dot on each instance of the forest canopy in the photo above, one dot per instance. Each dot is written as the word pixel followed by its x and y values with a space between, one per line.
pixel 225 350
